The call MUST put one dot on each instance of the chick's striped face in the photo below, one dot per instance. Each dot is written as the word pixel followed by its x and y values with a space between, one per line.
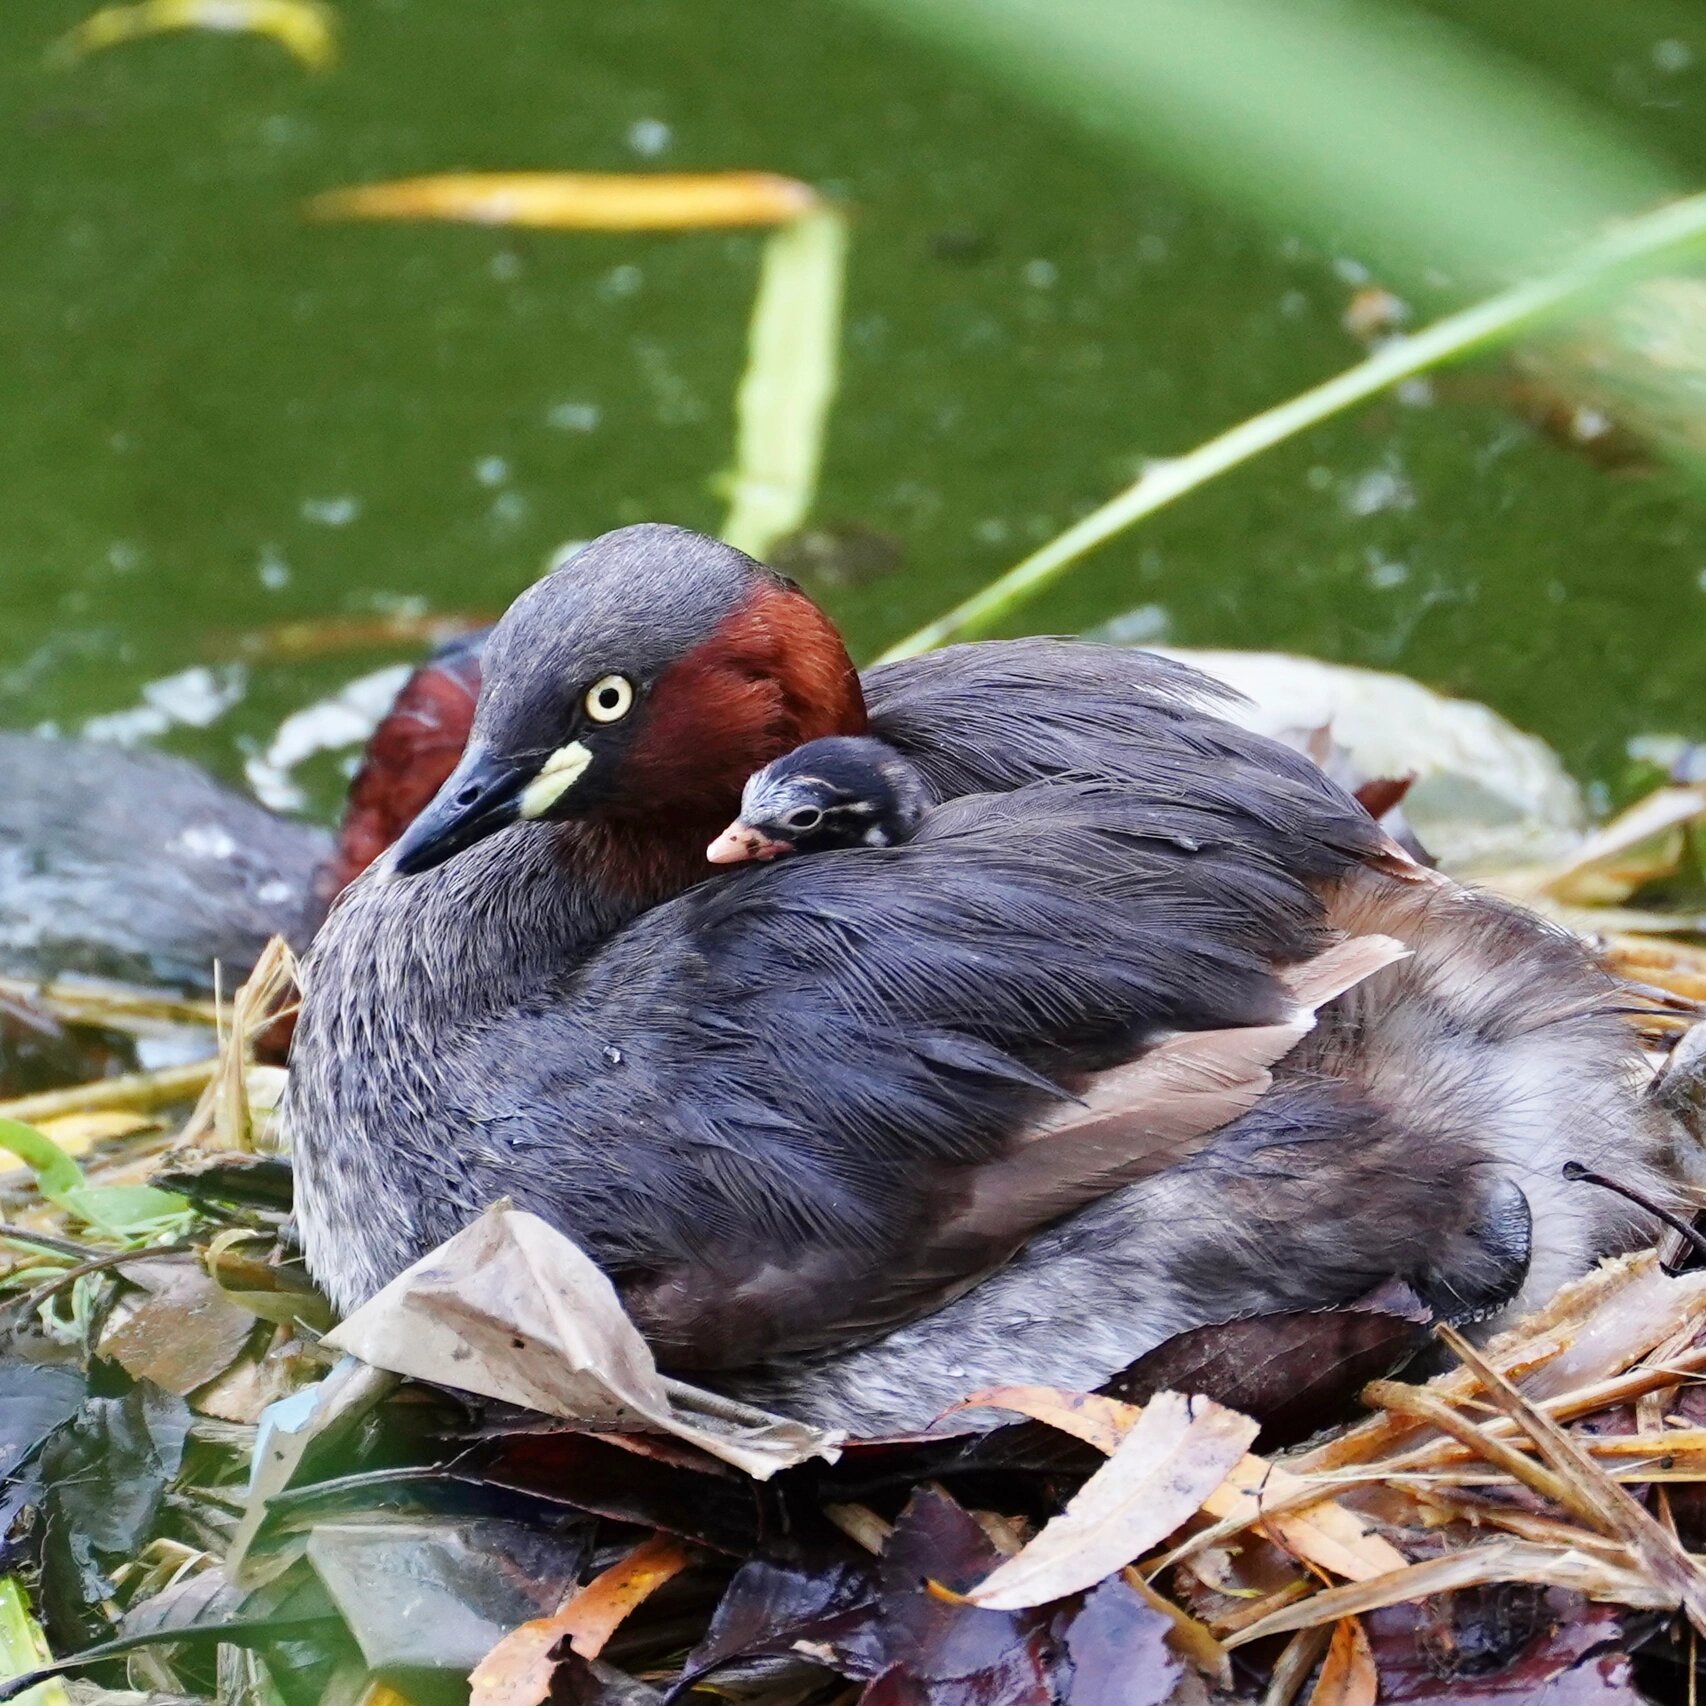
pixel 810 814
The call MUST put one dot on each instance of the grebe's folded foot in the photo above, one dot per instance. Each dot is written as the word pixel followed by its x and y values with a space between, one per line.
pixel 1480 1271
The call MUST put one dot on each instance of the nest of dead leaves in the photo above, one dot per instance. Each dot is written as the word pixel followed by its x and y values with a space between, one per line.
pixel 202 1499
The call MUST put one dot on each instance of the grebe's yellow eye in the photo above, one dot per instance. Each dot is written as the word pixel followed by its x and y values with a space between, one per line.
pixel 609 699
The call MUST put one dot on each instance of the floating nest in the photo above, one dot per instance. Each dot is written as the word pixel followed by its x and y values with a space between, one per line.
pixel 203 1499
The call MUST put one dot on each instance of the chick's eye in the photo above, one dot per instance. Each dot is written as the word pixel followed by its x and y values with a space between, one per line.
pixel 806 817
pixel 609 699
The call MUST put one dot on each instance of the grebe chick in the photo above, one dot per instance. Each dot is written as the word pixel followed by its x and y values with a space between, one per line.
pixel 842 791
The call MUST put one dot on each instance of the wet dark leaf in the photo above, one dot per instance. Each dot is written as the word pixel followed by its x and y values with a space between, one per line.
pixel 1502 1646
pixel 245 1632
pixel 35 1398
pixel 582 1682
pixel 935 1541
pixel 106 1470
pixel 886 1622
pixel 300 1663
pixel 203 1598
pixel 1119 1652
pixel 430 1491
pixel 1296 1373
pixel 38 1051
pixel 424 1594
pixel 895 1688
pixel 651 1483
pixel 932 1647
pixel 249 1181
pixel 103 1474
pixel 1688 1511
pixel 770 1601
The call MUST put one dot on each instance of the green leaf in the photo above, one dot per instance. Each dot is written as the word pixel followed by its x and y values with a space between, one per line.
pixel 1381 131
pixel 125 1210
pixel 55 1171
pixel 23 1647
pixel 122 1210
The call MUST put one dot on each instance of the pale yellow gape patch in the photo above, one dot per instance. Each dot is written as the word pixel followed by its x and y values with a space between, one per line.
pixel 556 776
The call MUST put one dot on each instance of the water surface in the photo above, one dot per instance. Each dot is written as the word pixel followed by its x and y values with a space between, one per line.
pixel 220 418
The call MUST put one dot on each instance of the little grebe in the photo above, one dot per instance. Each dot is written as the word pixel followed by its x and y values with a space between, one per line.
pixel 833 1136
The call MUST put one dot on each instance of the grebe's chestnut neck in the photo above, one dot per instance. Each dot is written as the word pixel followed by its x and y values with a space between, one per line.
pixel 639 734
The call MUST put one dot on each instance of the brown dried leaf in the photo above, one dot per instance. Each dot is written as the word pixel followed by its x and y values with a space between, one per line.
pixel 1101 1422
pixel 246 1389
pixel 1652 1546
pixel 1497 1561
pixel 1347 1672
pixel 513 1309
pixel 1176 1455
pixel 182 1333
pixel 519 1670
pixel 1321 1532
pixel 1295 1373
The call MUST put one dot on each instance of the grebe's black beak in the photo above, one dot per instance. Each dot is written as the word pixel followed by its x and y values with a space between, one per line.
pixel 480 796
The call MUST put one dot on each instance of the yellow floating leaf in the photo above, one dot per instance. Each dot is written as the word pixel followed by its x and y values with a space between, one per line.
pixel 304 28
pixel 578 201
pixel 76 1134
pixel 1637 847
pixel 1325 1534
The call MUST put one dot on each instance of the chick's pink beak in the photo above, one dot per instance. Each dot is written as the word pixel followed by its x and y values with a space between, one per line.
pixel 740 842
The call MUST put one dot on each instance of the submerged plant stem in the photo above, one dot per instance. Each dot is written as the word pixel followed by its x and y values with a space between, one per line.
pixel 1628 251
pixel 782 408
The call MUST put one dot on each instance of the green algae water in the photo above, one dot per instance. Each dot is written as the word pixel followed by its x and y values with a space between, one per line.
pixel 219 420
